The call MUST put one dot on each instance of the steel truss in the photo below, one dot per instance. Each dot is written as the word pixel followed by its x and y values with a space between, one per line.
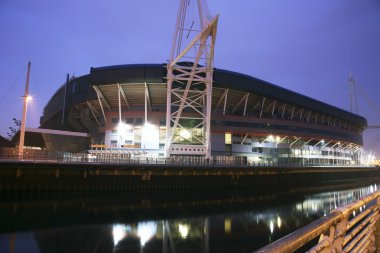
pixel 189 83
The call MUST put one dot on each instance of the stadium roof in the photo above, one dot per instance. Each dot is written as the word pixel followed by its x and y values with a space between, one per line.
pixel 156 73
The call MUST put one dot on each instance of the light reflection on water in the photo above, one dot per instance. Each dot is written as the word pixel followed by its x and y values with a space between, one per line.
pixel 244 230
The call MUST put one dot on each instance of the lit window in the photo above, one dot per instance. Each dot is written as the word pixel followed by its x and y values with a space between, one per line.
pixel 227 226
pixel 228 138
pixel 184 134
pixel 114 144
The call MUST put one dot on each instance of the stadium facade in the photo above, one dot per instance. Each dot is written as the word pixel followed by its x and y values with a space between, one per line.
pixel 123 109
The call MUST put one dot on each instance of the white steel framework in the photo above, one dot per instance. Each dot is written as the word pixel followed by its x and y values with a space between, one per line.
pixel 189 81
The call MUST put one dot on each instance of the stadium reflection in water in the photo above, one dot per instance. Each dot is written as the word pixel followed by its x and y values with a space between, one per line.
pixel 231 224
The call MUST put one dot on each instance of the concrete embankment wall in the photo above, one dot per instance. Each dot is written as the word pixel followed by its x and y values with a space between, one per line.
pixel 78 177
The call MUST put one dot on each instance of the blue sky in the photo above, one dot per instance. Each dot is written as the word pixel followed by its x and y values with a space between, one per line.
pixel 303 45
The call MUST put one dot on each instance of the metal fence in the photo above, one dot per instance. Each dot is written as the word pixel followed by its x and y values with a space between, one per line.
pixel 120 158
pixel 350 228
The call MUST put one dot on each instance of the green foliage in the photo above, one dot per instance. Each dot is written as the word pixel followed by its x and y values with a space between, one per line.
pixel 14 129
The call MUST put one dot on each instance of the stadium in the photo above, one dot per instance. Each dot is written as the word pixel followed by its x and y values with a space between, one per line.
pixel 123 109
pixel 189 110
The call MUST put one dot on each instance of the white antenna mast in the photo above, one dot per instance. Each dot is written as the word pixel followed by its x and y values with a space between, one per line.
pixel 353 96
pixel 25 98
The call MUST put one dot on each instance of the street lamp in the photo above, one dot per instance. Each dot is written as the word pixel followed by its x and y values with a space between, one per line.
pixel 26 98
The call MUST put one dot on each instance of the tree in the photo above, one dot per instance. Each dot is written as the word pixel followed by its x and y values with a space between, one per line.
pixel 13 130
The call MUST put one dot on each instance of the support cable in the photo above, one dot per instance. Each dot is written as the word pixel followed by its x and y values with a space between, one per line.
pixel 12 86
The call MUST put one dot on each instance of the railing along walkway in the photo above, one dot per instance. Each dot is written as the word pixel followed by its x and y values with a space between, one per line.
pixel 124 158
pixel 350 228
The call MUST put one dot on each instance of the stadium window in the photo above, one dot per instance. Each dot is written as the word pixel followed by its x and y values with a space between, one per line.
pixel 129 120
pixel 73 87
pixel 228 138
pixel 115 120
pixel 162 122
pixel 114 144
pixel 138 121
pixel 114 132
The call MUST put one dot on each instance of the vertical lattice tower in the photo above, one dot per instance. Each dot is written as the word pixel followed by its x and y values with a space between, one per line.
pixel 189 81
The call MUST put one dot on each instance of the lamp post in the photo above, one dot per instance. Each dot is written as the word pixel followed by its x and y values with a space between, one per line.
pixel 26 97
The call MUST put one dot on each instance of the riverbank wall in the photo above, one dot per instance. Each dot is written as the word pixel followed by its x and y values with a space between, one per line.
pixel 27 176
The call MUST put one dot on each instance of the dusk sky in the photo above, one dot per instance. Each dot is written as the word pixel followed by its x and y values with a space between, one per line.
pixel 306 46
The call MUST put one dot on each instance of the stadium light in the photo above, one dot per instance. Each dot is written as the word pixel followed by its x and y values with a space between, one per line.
pixel 146 230
pixel 121 127
pixel 183 230
pixel 185 134
pixel 148 126
pixel 118 233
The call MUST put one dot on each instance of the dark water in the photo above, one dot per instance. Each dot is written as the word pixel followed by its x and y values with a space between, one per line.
pixel 163 222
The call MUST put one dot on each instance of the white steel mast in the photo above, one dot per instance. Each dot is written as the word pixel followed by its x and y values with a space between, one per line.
pixel 353 98
pixel 23 119
pixel 189 81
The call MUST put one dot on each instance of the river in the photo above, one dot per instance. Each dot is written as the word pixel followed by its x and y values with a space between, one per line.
pixel 163 222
